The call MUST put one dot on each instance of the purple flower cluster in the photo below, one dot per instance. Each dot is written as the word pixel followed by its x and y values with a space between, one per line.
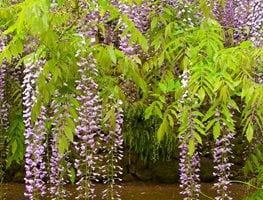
pixel 3 103
pixel 4 106
pixel 189 172
pixel 222 153
pixel 113 150
pixel 35 166
pixel 57 170
pixel 34 134
pixel 226 13
pixel 88 131
pixel 139 15
pixel 185 12
pixel 245 17
pixel 189 164
pixel 59 165
pixel 255 22
pixel 88 25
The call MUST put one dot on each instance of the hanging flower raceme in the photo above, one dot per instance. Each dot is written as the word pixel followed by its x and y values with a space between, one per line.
pixel 113 150
pixel 225 14
pixel 57 170
pixel 189 171
pixel 138 13
pixel 34 134
pixel 62 133
pixel 189 164
pixel 244 17
pixel 222 167
pixel 222 155
pixel 88 131
pixel 3 116
pixel 255 22
pixel 3 103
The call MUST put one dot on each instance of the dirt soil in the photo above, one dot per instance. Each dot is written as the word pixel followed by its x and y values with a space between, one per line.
pixel 137 191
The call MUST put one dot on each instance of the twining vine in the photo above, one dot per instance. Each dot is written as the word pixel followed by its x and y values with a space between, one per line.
pixel 192 67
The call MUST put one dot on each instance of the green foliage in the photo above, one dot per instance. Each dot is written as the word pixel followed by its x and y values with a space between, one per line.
pixel 221 79
pixel 140 135
pixel 16 139
pixel 258 195
pixel 223 88
pixel 253 166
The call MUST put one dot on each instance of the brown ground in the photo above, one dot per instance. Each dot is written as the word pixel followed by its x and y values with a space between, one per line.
pixel 139 191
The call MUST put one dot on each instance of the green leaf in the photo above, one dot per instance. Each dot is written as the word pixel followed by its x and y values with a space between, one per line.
pixel 112 55
pixel 210 113
pixel 162 87
pixel 154 22
pixel 74 101
pixel 191 147
pixel 158 112
pixel 171 120
pixel 162 99
pixel 249 132
pixel 197 137
pixel 109 115
pixel 69 133
pixel 148 112
pixel 144 44
pixel 216 130
pixel 72 175
pixel 14 147
pixel 255 160
pixel 62 145
pixel 201 94
pixel 73 112
pixel 162 130
pixel 200 130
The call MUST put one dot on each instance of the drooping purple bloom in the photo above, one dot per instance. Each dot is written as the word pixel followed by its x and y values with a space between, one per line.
pixel 189 172
pixel 88 130
pixel 59 166
pixel 34 134
pixel 57 170
pixel 189 164
pixel 3 103
pixel 138 14
pixel 222 154
pixel 113 150
pixel 4 124
pixel 244 17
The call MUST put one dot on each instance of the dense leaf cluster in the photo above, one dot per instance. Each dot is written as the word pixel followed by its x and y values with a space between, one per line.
pixel 143 65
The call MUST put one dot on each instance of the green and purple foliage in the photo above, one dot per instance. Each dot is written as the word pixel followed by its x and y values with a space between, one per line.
pixel 83 62
pixel 244 17
pixel 189 161
pixel 35 169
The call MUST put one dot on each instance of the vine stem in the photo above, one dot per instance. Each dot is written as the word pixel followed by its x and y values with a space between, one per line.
pixel 246 183
pixel 203 194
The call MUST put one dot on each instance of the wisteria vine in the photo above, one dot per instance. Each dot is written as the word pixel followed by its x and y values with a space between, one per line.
pixel 77 114
pixel 34 134
pixel 189 164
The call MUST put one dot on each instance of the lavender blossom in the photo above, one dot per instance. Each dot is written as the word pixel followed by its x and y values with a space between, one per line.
pixel 4 125
pixel 34 135
pixel 88 131
pixel 244 17
pixel 139 15
pixel 56 180
pixel 189 172
pixel 189 164
pixel 3 103
pixel 113 150
pixel 60 166
pixel 222 153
